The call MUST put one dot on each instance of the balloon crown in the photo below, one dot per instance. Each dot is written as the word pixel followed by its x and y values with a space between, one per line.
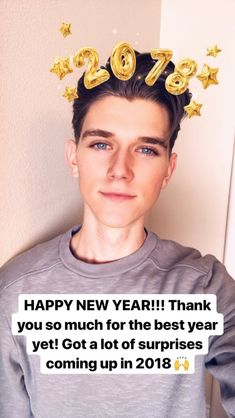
pixel 123 65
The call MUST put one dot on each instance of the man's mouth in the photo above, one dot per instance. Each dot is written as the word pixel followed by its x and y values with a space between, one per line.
pixel 117 196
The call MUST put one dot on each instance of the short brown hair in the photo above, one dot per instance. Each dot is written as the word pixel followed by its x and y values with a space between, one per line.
pixel 130 89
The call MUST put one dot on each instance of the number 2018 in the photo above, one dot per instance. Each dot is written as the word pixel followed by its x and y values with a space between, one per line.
pixel 149 363
pixel 123 64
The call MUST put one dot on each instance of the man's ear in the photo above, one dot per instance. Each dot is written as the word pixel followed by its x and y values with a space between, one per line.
pixel 71 156
pixel 170 169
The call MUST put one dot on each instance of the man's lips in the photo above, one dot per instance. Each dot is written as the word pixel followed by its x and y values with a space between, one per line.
pixel 117 196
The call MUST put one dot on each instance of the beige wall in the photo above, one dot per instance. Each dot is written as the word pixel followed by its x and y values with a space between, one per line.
pixel 38 198
pixel 194 208
pixel 229 258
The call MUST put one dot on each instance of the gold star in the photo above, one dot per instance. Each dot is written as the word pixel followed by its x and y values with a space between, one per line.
pixel 208 76
pixel 61 67
pixel 65 29
pixel 213 51
pixel 70 94
pixel 193 109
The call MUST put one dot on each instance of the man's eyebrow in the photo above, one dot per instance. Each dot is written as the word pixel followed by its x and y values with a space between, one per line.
pixel 154 141
pixel 97 132
pixel 106 134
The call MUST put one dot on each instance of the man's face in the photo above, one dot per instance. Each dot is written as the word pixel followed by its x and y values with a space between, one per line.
pixel 122 159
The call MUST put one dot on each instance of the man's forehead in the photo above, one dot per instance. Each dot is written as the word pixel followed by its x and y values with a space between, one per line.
pixel 116 114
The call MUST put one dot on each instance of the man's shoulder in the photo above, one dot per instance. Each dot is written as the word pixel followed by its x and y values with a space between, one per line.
pixel 39 258
pixel 188 266
pixel 169 254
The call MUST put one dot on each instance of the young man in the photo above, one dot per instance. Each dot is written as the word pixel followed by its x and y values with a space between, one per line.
pixel 122 157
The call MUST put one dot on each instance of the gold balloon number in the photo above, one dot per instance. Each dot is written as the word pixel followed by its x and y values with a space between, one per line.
pixel 93 76
pixel 163 57
pixel 123 64
pixel 123 61
pixel 177 82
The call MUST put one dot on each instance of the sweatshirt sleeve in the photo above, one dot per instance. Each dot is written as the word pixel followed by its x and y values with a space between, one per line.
pixel 14 399
pixel 220 360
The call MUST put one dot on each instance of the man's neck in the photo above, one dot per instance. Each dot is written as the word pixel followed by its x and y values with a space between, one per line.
pixel 98 243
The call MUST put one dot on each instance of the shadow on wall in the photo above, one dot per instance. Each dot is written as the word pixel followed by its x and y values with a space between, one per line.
pixel 41 198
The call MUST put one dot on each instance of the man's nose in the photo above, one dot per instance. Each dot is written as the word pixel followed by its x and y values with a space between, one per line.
pixel 121 166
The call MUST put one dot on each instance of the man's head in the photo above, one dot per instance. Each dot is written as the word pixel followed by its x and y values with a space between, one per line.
pixel 124 132
pixel 130 89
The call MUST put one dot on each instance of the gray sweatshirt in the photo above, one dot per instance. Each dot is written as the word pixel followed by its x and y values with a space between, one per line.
pixel 158 267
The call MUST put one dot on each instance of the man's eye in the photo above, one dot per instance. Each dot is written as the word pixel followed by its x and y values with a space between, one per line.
pixel 99 146
pixel 148 151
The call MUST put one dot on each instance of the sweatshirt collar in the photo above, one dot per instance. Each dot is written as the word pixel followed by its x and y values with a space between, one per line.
pixel 112 268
